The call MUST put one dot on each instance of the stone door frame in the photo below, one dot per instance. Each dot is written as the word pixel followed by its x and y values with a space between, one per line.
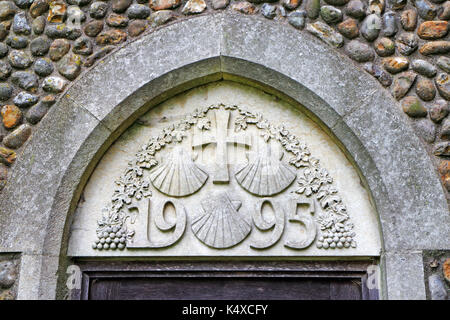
pixel 349 104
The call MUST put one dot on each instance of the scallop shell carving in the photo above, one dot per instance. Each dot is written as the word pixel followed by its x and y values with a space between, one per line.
pixel 219 223
pixel 265 174
pixel 178 176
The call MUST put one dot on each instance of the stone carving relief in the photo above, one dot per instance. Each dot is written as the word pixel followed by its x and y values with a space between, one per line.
pixel 280 175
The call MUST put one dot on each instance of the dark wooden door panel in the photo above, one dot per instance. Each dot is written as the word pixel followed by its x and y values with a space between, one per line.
pixel 248 288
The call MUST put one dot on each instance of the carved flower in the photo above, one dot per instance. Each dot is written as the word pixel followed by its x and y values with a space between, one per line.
pixel 269 133
pixel 141 189
pixel 178 135
pixel 121 196
pixel 309 184
pixel 133 170
pixel 327 196
pixel 204 124
pixel 145 160
pixel 325 220
pixel 240 123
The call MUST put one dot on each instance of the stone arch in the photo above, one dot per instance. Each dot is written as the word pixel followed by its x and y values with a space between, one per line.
pixel 46 182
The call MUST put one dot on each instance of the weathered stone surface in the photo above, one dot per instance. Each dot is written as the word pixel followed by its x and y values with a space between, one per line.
pixel 443 85
pixel 18 137
pixel 57 11
pixel 3 50
pixel 82 46
pixel 100 54
pixel 395 64
pixel 337 2
pixel 444 63
pixel 407 43
pixel 119 6
pixel 439 110
pixel 117 21
pixel 244 7
pixel 136 27
pixel 446 270
pixel 330 14
pixel 198 6
pixel 325 33
pixel 11 116
pixel 58 49
pixel 138 11
pixel 36 112
pixel 425 129
pixel 164 4
pixel 220 4
pixel 442 149
pixel 25 80
pixel 397 4
pixel 312 8
pixel 437 288
pixel 54 84
pixel 359 51
pixel 435 47
pixel 389 24
pixel 5 70
pixel 356 9
pixel 402 83
pixel 297 19
pixel 444 13
pixel 426 10
pixel 408 19
pixel 98 9
pixel 370 27
pixel 425 89
pixel 3 32
pixel 161 17
pixel 20 59
pixel 43 67
pixel 291 4
pixel 58 31
pixel 8 274
pixel 25 99
pixel 75 15
pixel 20 24
pixel 384 47
pixel 38 25
pixel 378 72
pixel 17 42
pixel 7 10
pixel 424 68
pixel 5 91
pixel 413 107
pixel 39 46
pixel 7 156
pixel 112 36
pixel 445 130
pixel 70 66
pixel 376 7
pixel 93 28
pixel 432 30
pixel 38 8
pixel 3 176
pixel 349 28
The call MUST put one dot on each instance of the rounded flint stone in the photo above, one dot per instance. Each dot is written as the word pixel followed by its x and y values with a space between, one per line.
pixel 43 67
pixel 54 84
pixel 138 11
pixel 6 91
pixel 36 112
pixel 359 51
pixel 370 27
pixel 20 59
pixel 18 137
pixel 297 19
pixel 25 100
pixel 330 14
pixel 389 24
pixel 17 42
pixel 268 10
pixel 25 80
pixel 20 24
pixel 39 46
pixel 424 68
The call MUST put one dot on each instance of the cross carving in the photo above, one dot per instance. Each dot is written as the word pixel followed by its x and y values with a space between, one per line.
pixel 221 140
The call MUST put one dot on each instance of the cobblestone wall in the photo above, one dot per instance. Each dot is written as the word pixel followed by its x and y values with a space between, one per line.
pixel 45 44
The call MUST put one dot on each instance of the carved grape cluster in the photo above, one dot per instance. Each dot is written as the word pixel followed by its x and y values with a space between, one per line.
pixel 112 237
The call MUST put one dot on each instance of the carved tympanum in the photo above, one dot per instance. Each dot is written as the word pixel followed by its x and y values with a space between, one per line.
pixel 220 219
